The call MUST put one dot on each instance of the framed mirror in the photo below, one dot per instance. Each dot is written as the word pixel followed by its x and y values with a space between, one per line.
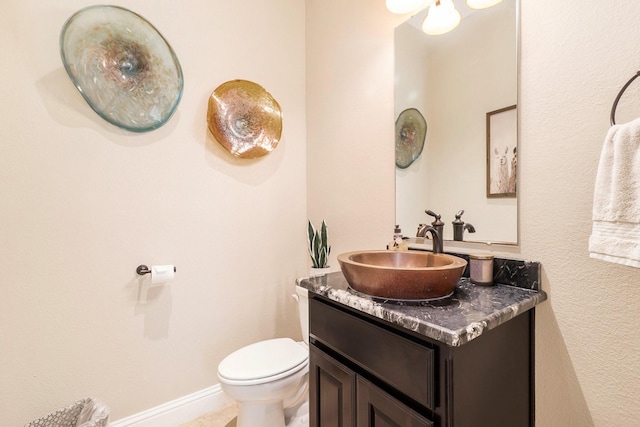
pixel 465 84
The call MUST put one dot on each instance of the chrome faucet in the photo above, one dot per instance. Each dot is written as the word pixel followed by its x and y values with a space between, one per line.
pixel 424 229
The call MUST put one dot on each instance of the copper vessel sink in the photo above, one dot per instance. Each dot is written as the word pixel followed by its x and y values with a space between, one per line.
pixel 402 275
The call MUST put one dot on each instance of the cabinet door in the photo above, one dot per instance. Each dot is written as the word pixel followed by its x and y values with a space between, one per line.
pixel 332 391
pixel 376 408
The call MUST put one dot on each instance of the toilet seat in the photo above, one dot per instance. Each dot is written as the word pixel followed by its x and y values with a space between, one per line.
pixel 263 362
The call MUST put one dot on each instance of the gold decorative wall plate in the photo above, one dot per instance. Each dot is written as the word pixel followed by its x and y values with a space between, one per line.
pixel 245 119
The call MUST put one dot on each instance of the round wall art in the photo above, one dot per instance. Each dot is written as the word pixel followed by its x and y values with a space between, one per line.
pixel 411 130
pixel 122 66
pixel 244 118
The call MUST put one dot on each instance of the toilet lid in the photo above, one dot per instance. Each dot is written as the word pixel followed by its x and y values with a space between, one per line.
pixel 263 359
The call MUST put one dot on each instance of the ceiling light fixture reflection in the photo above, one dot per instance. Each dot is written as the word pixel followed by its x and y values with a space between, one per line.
pixel 482 4
pixel 406 6
pixel 442 17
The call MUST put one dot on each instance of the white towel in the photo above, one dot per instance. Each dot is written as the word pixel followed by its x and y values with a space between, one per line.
pixel 615 236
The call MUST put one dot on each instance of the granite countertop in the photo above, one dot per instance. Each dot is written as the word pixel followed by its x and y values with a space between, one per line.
pixel 454 321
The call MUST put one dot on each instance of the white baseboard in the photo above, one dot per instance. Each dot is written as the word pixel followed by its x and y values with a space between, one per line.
pixel 176 412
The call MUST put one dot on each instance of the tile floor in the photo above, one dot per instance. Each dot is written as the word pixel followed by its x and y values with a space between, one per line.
pixel 297 416
pixel 225 417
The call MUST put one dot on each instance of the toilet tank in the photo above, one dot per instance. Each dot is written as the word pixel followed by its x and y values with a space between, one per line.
pixel 302 296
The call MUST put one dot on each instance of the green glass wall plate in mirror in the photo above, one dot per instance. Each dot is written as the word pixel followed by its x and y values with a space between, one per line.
pixel 411 129
pixel 454 80
pixel 122 66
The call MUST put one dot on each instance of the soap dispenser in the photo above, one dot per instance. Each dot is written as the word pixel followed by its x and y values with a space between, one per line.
pixel 397 244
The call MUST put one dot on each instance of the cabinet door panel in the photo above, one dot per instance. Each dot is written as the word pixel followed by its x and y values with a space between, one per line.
pixel 378 409
pixel 332 391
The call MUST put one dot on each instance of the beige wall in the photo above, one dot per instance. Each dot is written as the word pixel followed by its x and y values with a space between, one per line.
pixel 574 61
pixel 83 203
pixel 575 57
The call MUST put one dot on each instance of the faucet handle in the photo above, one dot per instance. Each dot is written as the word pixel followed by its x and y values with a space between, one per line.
pixel 432 213
pixel 437 217
pixel 458 222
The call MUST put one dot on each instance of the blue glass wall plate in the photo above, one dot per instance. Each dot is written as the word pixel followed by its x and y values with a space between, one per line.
pixel 122 66
pixel 411 130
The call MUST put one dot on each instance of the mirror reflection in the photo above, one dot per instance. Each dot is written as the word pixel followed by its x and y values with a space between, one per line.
pixel 464 83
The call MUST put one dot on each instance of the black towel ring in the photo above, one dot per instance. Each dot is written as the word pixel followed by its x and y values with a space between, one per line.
pixel 615 103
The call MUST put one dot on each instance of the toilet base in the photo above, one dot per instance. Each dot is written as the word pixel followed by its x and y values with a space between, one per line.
pixel 273 415
pixel 297 416
pixel 260 414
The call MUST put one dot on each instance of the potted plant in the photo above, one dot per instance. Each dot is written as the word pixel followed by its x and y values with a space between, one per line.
pixel 319 249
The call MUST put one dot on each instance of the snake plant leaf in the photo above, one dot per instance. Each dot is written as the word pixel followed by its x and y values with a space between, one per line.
pixel 322 260
pixel 312 233
pixel 323 233
pixel 316 249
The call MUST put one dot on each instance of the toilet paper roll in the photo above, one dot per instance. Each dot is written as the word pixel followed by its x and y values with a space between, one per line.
pixel 162 273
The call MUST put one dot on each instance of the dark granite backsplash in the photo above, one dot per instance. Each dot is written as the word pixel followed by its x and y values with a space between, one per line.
pixel 522 274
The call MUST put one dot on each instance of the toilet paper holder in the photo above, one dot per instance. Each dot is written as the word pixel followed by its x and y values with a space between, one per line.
pixel 143 269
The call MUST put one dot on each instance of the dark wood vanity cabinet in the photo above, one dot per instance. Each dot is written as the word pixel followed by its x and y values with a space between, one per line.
pixel 367 372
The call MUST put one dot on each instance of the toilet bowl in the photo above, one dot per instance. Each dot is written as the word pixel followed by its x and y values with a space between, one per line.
pixel 268 376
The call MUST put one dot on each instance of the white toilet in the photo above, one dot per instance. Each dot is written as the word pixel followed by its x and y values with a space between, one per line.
pixel 267 377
